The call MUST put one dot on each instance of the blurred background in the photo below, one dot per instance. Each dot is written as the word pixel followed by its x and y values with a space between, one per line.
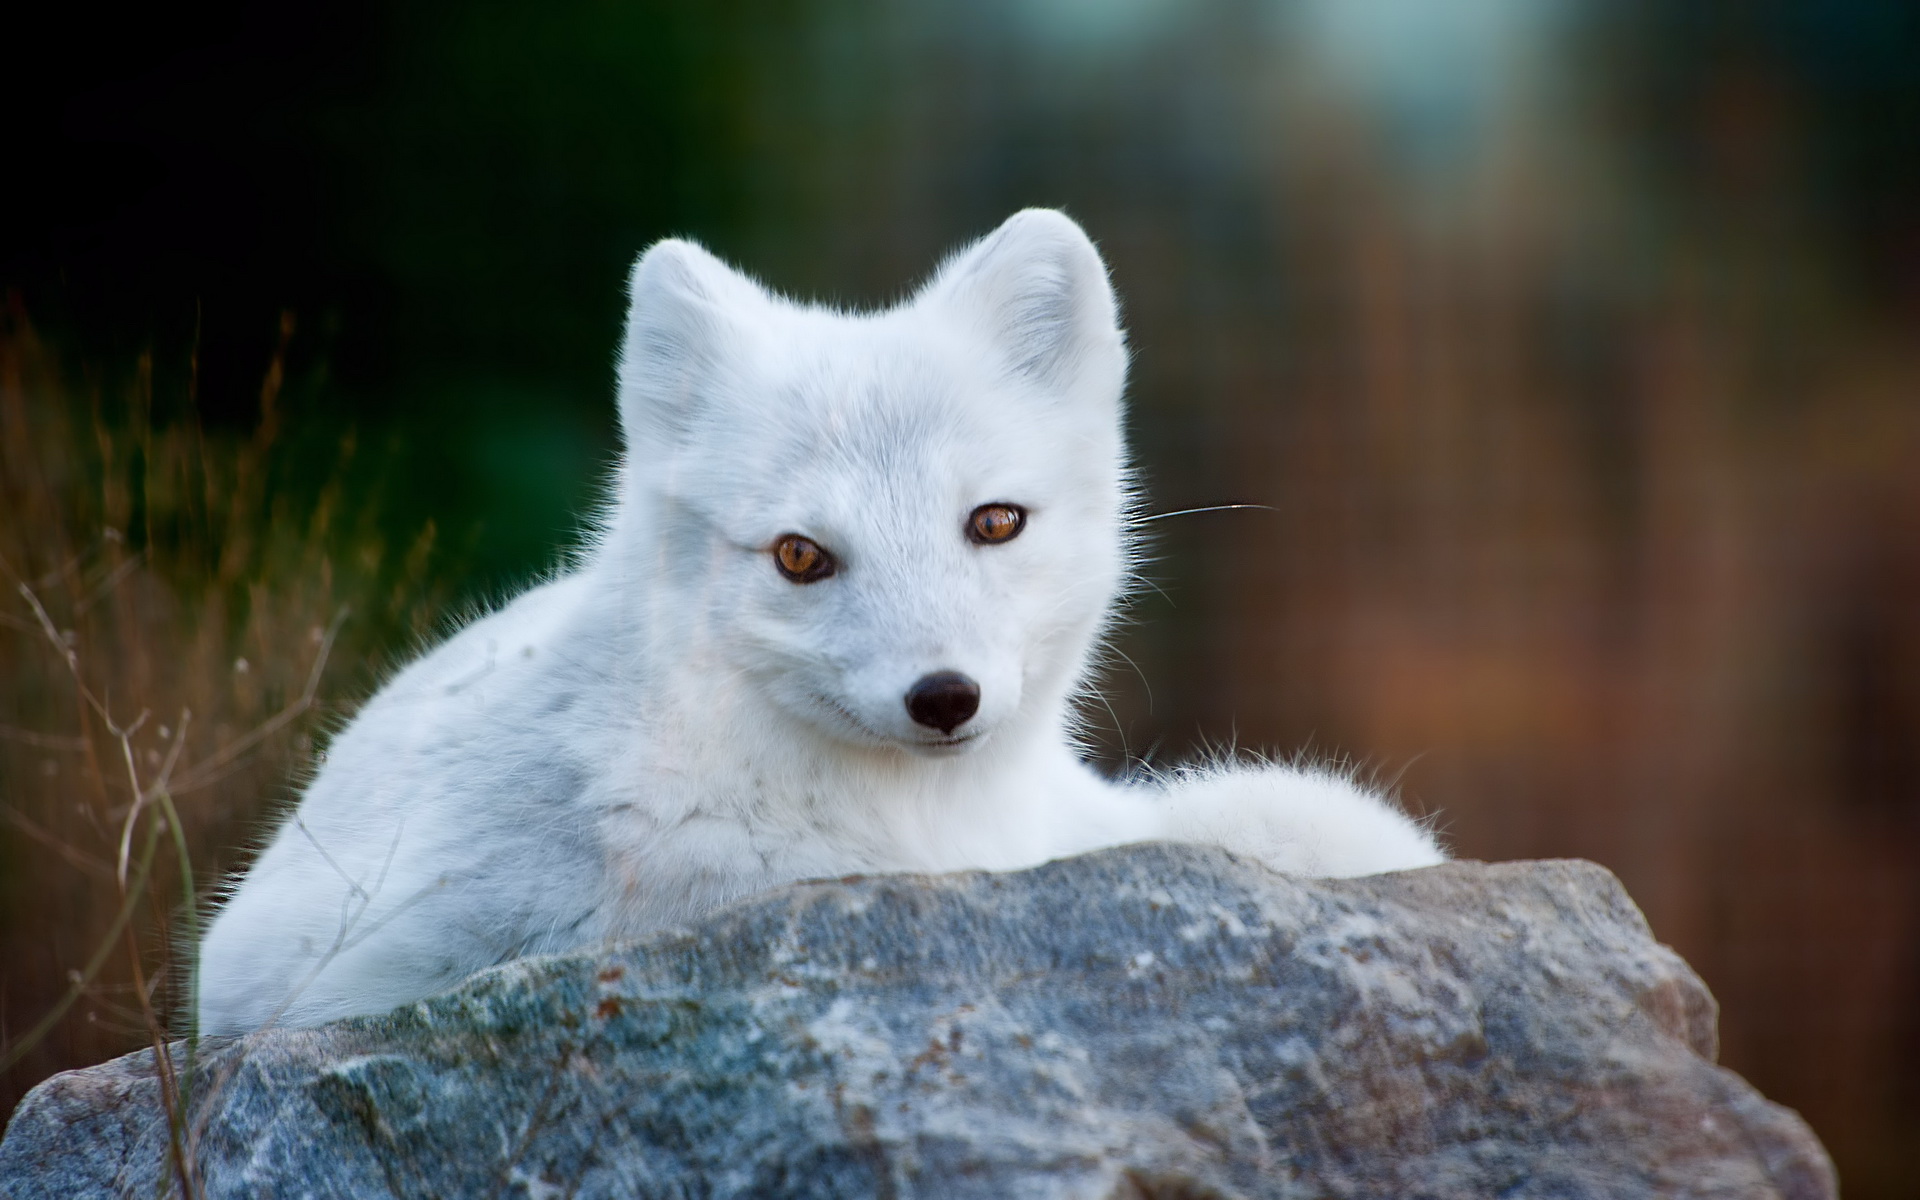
pixel 1573 346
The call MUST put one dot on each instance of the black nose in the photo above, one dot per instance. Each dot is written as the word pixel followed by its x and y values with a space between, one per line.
pixel 943 700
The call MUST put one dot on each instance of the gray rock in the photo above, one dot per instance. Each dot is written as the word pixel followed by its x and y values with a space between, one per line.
pixel 1156 1021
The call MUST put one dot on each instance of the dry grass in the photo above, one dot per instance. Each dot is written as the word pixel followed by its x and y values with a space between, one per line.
pixel 172 624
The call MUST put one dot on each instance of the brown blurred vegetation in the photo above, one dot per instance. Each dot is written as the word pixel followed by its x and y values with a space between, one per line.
pixel 166 637
pixel 1667 619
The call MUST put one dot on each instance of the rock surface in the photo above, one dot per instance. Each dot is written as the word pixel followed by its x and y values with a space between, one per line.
pixel 1152 1022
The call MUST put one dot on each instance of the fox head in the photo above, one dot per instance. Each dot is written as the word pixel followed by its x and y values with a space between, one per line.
pixel 904 528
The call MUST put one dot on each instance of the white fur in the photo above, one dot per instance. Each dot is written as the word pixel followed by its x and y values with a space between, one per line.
pixel 673 724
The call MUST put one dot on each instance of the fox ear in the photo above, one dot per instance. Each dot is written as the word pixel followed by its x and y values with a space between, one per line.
pixel 682 305
pixel 1038 290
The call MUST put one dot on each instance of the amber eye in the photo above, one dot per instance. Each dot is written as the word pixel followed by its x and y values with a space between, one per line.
pixel 991 523
pixel 802 560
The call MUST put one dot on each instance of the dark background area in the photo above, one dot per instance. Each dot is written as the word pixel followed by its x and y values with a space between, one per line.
pixel 1574 345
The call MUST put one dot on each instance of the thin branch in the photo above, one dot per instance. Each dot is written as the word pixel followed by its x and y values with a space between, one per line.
pixel 13 622
pixel 84 978
pixel 125 735
pixel 57 844
pixel 43 741
pixel 113 580
pixel 352 885
pixel 66 570
pixel 205 772
pixel 140 795
pixel 173 751
pixel 47 627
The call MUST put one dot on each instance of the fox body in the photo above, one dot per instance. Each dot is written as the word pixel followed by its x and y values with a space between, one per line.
pixel 853 571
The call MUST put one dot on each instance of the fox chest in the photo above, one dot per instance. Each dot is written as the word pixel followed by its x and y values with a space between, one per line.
pixel 664 869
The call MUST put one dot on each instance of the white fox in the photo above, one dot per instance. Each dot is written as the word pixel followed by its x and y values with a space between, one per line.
pixel 853 571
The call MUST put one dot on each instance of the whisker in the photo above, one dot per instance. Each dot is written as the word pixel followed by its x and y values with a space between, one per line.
pixel 1128 659
pixel 1186 512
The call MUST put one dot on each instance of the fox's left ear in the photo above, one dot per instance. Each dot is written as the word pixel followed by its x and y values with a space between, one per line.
pixel 1038 290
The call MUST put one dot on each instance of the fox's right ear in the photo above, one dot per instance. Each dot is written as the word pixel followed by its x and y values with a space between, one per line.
pixel 680 321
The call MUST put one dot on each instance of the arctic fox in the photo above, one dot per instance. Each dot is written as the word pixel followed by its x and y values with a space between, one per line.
pixel 853 570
